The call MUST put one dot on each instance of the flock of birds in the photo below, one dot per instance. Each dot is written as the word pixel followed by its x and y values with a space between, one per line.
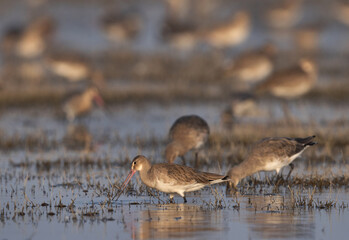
pixel 255 69
pixel 191 133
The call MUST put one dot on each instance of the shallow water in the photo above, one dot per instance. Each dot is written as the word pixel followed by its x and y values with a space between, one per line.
pixel 70 178
pixel 57 184
pixel 258 216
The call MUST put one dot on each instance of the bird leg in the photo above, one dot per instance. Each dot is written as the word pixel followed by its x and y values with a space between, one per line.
pixel 231 188
pixel 196 164
pixel 289 173
pixel 185 200
pixel 277 178
pixel 183 160
pixel 289 118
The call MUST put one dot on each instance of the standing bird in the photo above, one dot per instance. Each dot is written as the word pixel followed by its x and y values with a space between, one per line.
pixel 230 33
pixel 270 154
pixel 187 133
pixel 341 11
pixel 82 103
pixel 29 41
pixel 284 13
pixel 290 83
pixel 73 67
pixel 122 27
pixel 253 66
pixel 171 178
pixel 307 37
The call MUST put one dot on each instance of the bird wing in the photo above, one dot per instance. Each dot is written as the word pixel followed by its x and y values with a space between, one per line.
pixel 178 174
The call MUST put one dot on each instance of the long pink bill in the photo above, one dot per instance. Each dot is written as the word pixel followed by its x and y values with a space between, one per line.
pixel 99 100
pixel 130 175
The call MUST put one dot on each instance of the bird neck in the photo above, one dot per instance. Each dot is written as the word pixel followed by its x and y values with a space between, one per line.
pixel 146 175
pixel 240 171
pixel 173 150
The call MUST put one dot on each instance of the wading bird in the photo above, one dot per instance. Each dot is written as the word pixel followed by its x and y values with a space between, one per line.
pixel 82 103
pixel 171 178
pixel 187 133
pixel 270 154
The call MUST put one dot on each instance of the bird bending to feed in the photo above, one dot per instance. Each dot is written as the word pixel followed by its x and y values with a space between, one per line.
pixel 290 83
pixel 230 33
pixel 270 154
pixel 253 66
pixel 171 178
pixel 82 103
pixel 187 133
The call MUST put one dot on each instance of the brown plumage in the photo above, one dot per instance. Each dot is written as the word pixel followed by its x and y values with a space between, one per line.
pixel 187 133
pixel 253 66
pixel 292 82
pixel 29 41
pixel 342 11
pixel 283 13
pixel 122 27
pixel 230 33
pixel 171 178
pixel 73 67
pixel 82 103
pixel 270 154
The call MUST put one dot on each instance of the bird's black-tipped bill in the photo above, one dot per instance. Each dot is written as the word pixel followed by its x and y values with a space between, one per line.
pixel 127 180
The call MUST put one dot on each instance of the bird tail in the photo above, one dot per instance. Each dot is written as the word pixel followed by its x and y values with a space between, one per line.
pixel 308 141
pixel 226 178
pixel 219 179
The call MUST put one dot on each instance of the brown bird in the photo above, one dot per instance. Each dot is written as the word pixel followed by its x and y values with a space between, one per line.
pixel 187 133
pixel 230 33
pixel 292 82
pixel 341 11
pixel 171 178
pixel 270 154
pixel 180 35
pixel 253 66
pixel 121 27
pixel 73 67
pixel 307 38
pixel 29 41
pixel 82 103
pixel 284 13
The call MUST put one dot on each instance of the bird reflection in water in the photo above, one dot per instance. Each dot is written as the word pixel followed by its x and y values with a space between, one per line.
pixel 176 221
pixel 273 217
pixel 78 138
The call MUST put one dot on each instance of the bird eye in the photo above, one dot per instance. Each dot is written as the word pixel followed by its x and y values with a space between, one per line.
pixel 134 163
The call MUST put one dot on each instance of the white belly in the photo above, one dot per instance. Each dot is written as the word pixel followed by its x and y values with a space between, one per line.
pixel 180 189
pixel 278 163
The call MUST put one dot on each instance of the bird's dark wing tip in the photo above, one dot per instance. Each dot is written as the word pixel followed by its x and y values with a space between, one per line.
pixel 310 143
pixel 226 178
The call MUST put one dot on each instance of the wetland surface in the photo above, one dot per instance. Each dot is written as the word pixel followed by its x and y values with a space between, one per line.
pixel 59 180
